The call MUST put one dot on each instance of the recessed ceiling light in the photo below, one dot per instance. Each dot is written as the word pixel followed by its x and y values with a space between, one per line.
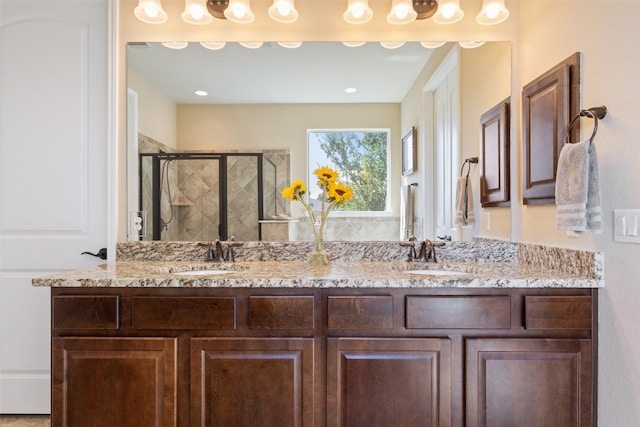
pixel 351 90
pixel 201 92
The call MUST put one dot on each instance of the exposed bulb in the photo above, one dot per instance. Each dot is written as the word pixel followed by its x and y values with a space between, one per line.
pixel 196 13
pixel 401 12
pixel 448 12
pixel 284 9
pixel 239 12
pixel 357 12
pixel 151 12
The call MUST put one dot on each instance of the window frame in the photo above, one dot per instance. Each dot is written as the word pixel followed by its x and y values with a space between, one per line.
pixel 387 212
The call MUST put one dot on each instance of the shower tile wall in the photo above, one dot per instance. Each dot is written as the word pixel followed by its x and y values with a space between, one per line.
pixel 194 185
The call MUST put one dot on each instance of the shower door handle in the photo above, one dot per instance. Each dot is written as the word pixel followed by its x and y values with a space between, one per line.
pixel 102 253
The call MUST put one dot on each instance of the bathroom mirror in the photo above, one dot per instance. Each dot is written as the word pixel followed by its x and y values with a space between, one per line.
pixel 272 88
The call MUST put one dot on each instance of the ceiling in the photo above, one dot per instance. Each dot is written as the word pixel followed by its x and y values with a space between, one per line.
pixel 316 72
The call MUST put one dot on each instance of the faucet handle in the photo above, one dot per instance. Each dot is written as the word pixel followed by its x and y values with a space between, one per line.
pixel 412 250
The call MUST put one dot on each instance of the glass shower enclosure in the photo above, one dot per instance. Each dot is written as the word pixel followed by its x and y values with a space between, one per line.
pixel 206 196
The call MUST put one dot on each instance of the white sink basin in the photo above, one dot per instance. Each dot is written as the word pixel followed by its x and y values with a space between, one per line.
pixel 437 272
pixel 202 272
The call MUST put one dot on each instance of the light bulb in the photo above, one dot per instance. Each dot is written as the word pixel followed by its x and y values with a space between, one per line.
pixel 151 12
pixel 493 12
pixel 401 13
pixel 357 12
pixel 448 12
pixel 284 9
pixel 196 13
pixel 239 12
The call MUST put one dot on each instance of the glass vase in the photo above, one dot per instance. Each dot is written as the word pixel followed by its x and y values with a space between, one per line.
pixel 318 255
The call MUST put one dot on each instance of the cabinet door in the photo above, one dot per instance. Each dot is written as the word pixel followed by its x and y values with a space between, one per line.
pixel 107 382
pixel 388 382
pixel 529 382
pixel 266 382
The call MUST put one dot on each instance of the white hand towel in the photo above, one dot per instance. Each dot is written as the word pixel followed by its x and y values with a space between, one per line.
pixel 464 202
pixel 578 200
pixel 406 212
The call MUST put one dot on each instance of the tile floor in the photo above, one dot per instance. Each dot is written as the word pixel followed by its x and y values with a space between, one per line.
pixel 24 421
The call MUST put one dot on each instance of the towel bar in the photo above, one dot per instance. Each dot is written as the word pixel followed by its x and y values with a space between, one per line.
pixel 594 113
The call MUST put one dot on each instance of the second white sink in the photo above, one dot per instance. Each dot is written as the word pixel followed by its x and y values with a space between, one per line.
pixel 437 272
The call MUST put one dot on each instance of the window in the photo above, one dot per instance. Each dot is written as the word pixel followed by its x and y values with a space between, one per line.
pixel 361 158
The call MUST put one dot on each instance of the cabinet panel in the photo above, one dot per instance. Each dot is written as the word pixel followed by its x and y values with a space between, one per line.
pixel 281 312
pixel 360 312
pixel 543 312
pixel 388 382
pixel 459 312
pixel 106 382
pixel 183 313
pixel 532 382
pixel 85 312
pixel 252 381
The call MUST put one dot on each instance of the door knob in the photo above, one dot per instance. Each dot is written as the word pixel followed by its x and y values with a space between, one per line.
pixel 102 253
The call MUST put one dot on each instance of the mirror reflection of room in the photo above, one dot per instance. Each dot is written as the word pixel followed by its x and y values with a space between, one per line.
pixel 270 117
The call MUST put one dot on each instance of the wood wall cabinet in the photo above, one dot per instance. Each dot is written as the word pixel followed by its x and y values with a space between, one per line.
pixel 192 357
pixel 494 156
pixel 548 104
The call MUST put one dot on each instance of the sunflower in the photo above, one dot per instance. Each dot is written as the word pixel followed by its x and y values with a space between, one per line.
pixel 326 175
pixel 340 192
pixel 296 187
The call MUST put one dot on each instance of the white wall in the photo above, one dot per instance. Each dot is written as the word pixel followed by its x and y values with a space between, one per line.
pixel 607 33
pixel 156 112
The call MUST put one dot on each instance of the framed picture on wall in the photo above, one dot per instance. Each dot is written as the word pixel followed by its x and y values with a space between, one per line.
pixel 409 161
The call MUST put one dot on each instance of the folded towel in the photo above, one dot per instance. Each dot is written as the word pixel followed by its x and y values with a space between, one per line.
pixel 578 201
pixel 406 212
pixel 464 202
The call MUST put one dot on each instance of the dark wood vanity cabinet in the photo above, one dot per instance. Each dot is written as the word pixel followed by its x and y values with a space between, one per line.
pixel 323 357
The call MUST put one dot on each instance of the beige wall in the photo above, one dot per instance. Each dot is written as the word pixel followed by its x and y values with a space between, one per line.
pixel 156 112
pixel 284 126
pixel 544 33
pixel 606 32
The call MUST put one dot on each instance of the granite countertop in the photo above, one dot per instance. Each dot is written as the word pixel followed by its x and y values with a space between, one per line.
pixel 339 274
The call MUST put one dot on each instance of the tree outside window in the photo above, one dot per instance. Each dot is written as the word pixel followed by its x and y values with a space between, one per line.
pixel 361 159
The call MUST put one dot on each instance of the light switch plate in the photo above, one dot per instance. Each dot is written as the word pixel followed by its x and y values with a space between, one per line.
pixel 626 225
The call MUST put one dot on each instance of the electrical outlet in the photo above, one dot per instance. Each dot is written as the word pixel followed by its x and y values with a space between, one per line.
pixel 137 225
pixel 626 227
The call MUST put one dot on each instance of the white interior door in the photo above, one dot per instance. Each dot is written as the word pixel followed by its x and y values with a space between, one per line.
pixel 53 174
pixel 444 110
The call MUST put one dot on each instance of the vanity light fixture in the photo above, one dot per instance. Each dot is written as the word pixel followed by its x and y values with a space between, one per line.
pixel 401 12
pixel 358 12
pixel 492 12
pixel 251 45
pixel 283 11
pixel 195 12
pixel 290 45
pixel 150 11
pixel 213 45
pixel 175 45
pixel 448 12
pixel 239 11
pixel 471 44
pixel 432 45
pixel 391 45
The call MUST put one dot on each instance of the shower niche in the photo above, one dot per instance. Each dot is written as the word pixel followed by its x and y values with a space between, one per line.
pixel 206 196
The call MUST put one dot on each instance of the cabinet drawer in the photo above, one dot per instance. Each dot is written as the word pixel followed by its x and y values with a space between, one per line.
pixel 360 312
pixel 183 313
pixel 85 312
pixel 557 312
pixel 281 312
pixel 458 312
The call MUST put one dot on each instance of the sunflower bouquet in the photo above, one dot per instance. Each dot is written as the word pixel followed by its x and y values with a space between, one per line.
pixel 333 194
